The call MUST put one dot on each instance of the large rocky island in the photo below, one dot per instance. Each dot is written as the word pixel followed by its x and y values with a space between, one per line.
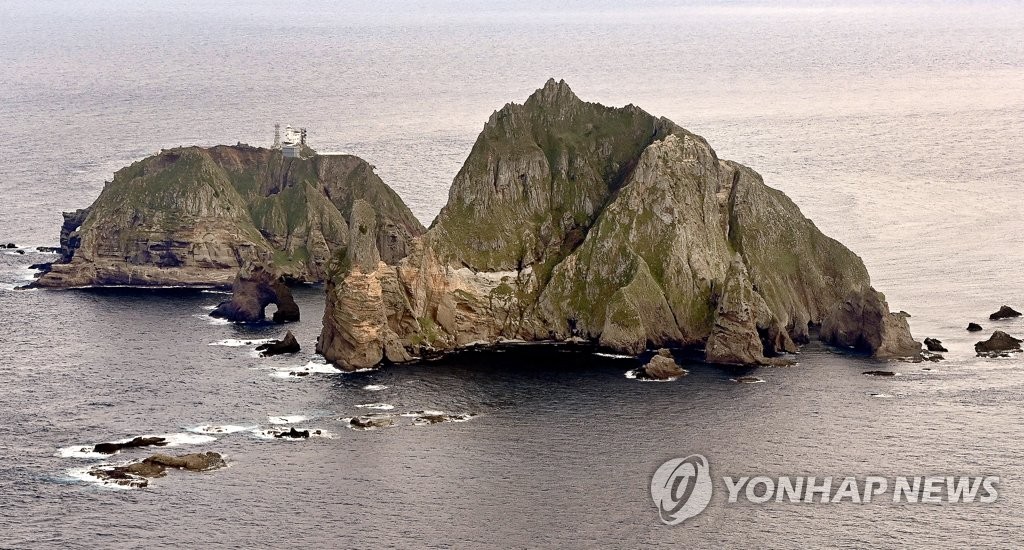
pixel 569 221
pixel 574 221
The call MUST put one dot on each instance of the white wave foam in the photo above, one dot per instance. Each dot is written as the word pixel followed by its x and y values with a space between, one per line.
pixel 271 434
pixel 172 440
pixel 375 387
pixel 631 374
pixel 79 451
pixel 211 320
pixel 378 406
pixel 221 429
pixel 212 291
pixel 614 355
pixel 287 419
pixel 232 343
pixel 176 439
pixel 83 474
pixel 210 307
pixel 414 414
pixel 312 367
pixel 747 380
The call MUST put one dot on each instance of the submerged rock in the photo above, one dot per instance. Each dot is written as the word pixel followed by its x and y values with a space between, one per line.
pixel 934 345
pixel 747 380
pixel 974 327
pixel 879 373
pixel 194 216
pixel 138 474
pixel 1000 344
pixel 9 245
pixel 113 447
pixel 288 344
pixel 253 290
pixel 863 322
pixel 1005 312
pixel 572 220
pixel 366 422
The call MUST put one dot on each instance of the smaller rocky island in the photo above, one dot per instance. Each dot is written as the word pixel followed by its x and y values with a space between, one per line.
pixel 196 216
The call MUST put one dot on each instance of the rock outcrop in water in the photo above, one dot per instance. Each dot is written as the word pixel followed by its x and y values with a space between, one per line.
pixel 574 220
pixel 1005 312
pixel 195 216
pixel 253 290
pixel 1000 344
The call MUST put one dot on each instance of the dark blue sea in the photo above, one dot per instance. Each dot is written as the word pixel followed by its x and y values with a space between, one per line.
pixel 897 127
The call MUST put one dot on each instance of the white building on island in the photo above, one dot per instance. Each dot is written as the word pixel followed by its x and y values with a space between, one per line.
pixel 291 143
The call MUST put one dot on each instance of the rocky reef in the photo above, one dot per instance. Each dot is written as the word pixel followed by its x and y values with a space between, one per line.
pixel 571 220
pixel 195 216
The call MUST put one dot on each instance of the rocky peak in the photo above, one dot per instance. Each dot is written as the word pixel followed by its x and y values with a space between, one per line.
pixel 553 94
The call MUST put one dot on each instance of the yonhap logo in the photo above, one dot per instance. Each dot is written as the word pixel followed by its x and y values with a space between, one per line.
pixel 681 488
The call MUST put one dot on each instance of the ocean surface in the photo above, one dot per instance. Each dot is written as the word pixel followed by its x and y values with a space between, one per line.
pixel 897 127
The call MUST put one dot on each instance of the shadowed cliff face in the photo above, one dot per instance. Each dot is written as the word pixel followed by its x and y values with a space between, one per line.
pixel 574 220
pixel 195 216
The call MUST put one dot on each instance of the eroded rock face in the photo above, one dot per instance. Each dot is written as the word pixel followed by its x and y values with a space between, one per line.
pixel 999 344
pixel 863 322
pixel 253 290
pixel 571 220
pixel 195 216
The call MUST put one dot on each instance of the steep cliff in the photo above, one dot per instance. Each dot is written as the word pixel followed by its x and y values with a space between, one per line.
pixel 195 216
pixel 574 220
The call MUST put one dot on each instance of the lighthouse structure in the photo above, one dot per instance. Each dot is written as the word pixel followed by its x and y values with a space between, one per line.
pixel 291 143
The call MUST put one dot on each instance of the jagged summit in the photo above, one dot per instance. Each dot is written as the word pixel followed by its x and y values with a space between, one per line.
pixel 553 93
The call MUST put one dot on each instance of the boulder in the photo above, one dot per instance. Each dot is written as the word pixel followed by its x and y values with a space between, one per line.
pixel 974 327
pixel 934 345
pixel 661 367
pixel 863 322
pixel 288 344
pixel 1004 312
pixel 9 245
pixel 113 447
pixel 999 344
pixel 253 290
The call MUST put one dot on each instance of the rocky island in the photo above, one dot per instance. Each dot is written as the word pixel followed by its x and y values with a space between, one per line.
pixel 194 216
pixel 574 221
